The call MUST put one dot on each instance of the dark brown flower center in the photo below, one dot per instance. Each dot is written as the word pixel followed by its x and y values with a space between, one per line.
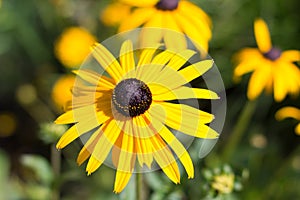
pixel 273 54
pixel 132 97
pixel 167 4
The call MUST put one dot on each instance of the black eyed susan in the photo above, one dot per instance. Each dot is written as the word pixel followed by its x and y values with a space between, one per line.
pixel 73 46
pixel 133 108
pixel 177 15
pixel 272 68
pixel 289 112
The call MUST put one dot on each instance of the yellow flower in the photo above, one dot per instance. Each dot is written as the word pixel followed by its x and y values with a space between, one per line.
pixel 272 68
pixel 131 112
pixel 289 112
pixel 177 15
pixel 114 13
pixel 223 183
pixel 73 46
pixel 61 92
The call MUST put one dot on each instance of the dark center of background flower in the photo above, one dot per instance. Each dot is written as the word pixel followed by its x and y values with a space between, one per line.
pixel 167 4
pixel 132 97
pixel 273 54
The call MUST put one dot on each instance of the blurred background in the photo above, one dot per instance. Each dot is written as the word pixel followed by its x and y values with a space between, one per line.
pixel 41 41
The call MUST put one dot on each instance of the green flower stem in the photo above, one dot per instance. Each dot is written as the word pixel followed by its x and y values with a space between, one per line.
pixel 139 186
pixel 239 129
pixel 56 165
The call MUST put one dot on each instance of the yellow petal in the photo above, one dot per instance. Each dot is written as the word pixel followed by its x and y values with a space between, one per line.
pixel 126 163
pixel 116 150
pixel 144 3
pixel 110 133
pixel 107 62
pixel 280 87
pixel 201 21
pixel 137 18
pixel 149 73
pixel 68 117
pixel 127 57
pixel 142 134
pixel 262 35
pixel 185 93
pixel 201 43
pixel 184 118
pixel 245 67
pixel 248 60
pixel 195 11
pixel 176 146
pixel 86 123
pixel 247 53
pixel 152 31
pixel 174 79
pixel 88 147
pixel 291 55
pixel 180 59
pixel 86 116
pixel 172 32
pixel 291 76
pixel 165 159
pixel 297 129
pixel 95 78
pixel 126 154
pixel 259 80
pixel 288 112
pixel 122 179
pixel 147 54
pixel 195 70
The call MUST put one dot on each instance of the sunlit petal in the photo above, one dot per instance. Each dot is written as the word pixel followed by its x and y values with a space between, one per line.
pixel 111 131
pixel 107 62
pixel 262 35
pixel 291 56
pixel 183 118
pixel 127 57
pixel 137 18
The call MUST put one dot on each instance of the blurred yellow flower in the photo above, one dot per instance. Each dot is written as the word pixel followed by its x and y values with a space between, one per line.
pixel 114 13
pixel 272 68
pixel 178 15
pixel 223 183
pixel 291 112
pixel 73 46
pixel 61 91
pixel 131 112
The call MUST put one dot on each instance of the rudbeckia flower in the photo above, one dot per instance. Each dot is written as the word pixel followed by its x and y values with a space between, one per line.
pixel 177 15
pixel 73 46
pixel 289 112
pixel 133 111
pixel 272 68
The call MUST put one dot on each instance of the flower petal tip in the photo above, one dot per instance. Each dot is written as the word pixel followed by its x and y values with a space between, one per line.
pixel 58 146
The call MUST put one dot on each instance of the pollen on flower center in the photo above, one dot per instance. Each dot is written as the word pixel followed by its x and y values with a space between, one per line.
pixel 167 4
pixel 131 97
pixel 273 54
